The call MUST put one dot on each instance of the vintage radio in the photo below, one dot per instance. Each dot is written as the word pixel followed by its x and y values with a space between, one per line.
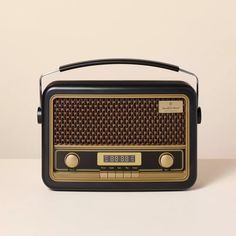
pixel 119 135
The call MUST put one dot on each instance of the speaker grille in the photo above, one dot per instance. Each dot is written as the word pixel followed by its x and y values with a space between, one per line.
pixel 116 121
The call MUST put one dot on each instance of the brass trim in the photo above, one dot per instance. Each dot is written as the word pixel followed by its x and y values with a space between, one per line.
pixel 119 96
pixel 143 176
pixel 113 147
pixel 138 159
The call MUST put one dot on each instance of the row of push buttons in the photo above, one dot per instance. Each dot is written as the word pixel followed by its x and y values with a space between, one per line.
pixel 118 174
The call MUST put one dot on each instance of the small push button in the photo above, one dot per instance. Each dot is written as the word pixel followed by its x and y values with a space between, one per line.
pixel 111 174
pixel 103 175
pixel 134 174
pixel 119 174
pixel 127 174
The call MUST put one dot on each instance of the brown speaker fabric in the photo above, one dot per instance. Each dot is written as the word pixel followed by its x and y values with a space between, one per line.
pixel 115 121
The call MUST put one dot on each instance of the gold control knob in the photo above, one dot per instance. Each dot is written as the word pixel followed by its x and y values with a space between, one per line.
pixel 71 160
pixel 166 160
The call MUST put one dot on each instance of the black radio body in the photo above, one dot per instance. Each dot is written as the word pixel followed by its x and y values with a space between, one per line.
pixel 119 135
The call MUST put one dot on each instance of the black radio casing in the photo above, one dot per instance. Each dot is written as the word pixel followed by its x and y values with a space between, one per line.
pixel 120 87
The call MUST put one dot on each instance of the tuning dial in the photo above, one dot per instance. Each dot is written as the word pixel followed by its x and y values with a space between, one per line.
pixel 166 160
pixel 72 160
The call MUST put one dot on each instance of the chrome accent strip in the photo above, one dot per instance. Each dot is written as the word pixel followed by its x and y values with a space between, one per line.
pixel 40 84
pixel 194 75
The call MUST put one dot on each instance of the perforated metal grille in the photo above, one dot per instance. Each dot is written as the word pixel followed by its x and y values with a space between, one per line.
pixel 116 121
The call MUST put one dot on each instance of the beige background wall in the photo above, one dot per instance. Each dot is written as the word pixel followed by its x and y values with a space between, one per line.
pixel 37 36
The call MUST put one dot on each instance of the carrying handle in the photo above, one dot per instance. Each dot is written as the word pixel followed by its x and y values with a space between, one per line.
pixel 117 61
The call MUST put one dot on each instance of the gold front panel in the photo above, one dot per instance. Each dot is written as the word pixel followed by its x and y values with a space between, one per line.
pixel 171 131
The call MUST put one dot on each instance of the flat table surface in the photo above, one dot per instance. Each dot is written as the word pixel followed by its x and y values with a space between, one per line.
pixel 27 207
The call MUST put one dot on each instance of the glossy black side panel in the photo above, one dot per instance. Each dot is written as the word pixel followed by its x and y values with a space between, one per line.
pixel 119 87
